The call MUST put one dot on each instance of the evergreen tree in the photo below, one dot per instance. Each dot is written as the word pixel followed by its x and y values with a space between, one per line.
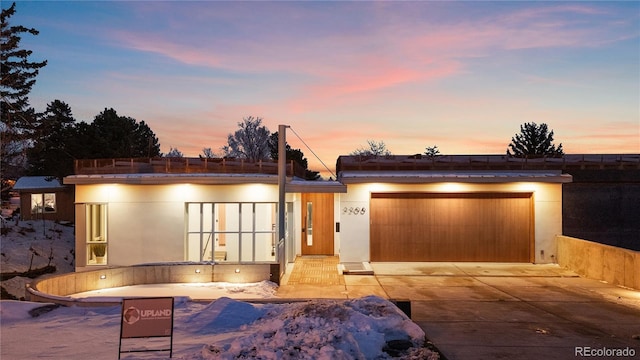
pixel 292 155
pixel 534 140
pixel 17 74
pixel 49 154
pixel 115 136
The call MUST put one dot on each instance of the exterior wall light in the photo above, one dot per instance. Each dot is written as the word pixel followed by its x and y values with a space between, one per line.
pixel 197 271
pixel 102 277
pixel 237 270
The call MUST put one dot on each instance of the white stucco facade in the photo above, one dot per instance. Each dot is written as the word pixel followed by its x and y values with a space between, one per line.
pixel 354 227
pixel 147 223
pixel 147 216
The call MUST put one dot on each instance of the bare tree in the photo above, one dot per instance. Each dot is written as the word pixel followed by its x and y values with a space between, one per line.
pixel 174 153
pixel 250 142
pixel 207 153
pixel 376 148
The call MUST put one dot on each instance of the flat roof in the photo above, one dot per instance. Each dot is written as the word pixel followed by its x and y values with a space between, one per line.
pixel 292 186
pixel 415 177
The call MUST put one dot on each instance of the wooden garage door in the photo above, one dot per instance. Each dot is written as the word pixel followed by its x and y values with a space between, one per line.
pixel 452 227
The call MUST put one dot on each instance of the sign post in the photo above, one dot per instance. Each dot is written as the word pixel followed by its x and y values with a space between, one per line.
pixel 147 318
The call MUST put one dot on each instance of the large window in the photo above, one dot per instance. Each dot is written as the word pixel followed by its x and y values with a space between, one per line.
pixel 96 226
pixel 231 232
pixel 43 203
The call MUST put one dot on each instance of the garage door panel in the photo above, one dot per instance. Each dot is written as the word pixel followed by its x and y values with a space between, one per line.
pixel 451 227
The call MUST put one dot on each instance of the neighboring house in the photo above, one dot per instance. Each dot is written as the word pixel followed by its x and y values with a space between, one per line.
pixel 397 208
pixel 43 197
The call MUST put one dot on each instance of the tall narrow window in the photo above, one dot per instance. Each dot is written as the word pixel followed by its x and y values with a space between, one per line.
pixel 309 221
pixel 96 234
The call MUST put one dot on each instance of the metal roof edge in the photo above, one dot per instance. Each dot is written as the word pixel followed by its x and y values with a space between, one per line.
pixel 315 187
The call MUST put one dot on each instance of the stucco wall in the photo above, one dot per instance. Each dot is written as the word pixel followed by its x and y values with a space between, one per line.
pixel 146 223
pixel 354 228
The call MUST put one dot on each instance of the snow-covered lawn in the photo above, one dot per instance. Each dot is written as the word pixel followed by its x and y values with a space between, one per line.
pixel 227 328
pixel 223 329
pixel 33 245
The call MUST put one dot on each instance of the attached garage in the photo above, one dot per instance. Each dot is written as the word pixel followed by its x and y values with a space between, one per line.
pixel 427 226
pixel 453 208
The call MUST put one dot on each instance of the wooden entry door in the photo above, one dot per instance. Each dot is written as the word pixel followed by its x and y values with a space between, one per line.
pixel 317 224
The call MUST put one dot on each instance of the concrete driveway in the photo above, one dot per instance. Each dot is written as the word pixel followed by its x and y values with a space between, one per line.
pixel 490 310
pixel 514 311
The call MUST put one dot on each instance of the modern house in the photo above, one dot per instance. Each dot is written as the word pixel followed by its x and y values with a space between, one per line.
pixel 380 209
pixel 43 197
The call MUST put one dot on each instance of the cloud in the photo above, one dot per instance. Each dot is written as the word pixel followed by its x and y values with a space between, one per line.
pixel 413 74
pixel 386 52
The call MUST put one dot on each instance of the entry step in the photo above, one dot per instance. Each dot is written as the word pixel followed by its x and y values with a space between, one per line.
pixel 355 268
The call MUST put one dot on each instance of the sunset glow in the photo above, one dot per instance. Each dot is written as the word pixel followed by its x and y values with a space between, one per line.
pixel 459 75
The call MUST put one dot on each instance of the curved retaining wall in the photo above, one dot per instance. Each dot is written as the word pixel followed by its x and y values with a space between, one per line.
pixel 57 288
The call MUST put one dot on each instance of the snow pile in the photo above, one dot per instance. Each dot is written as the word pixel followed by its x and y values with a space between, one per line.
pixel 366 328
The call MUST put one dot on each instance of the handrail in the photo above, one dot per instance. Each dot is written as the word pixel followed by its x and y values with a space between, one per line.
pixel 488 162
pixel 182 165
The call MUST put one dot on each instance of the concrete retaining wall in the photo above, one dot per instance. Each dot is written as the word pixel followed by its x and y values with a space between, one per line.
pixel 57 288
pixel 614 265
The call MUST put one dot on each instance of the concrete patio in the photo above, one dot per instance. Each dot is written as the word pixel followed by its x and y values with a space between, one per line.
pixel 496 311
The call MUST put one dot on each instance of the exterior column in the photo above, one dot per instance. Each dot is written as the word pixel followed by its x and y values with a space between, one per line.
pixel 282 178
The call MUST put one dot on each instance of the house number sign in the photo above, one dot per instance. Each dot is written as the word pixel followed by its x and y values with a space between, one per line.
pixel 353 210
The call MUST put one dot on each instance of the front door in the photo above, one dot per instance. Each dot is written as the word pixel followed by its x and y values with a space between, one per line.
pixel 317 224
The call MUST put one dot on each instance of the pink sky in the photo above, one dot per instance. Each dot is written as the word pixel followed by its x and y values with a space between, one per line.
pixel 460 75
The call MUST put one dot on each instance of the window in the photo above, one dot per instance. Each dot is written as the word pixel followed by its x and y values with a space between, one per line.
pixel 43 203
pixel 96 226
pixel 233 232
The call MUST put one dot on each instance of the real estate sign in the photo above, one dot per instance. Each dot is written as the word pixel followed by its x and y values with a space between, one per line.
pixel 147 317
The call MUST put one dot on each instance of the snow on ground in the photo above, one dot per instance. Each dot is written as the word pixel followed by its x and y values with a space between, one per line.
pixel 35 244
pixel 223 329
pixel 227 328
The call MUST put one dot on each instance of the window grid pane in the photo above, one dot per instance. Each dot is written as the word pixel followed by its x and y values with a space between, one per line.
pixel 232 232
